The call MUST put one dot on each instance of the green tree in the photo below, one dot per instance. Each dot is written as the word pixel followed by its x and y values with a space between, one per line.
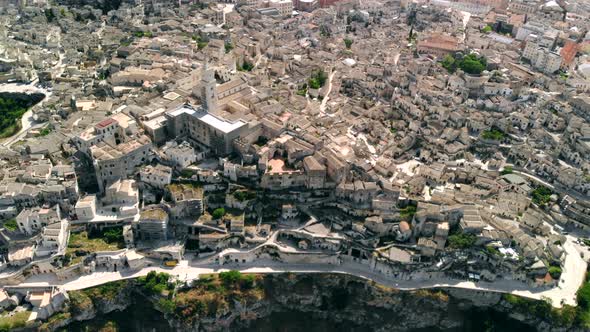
pixel 230 278
pixel 461 240
pixel 348 42
pixel 228 47
pixel 471 64
pixel 49 15
pixel 448 63
pixel 318 79
pixel 507 170
pixel 218 213
pixel 555 272
pixel 541 195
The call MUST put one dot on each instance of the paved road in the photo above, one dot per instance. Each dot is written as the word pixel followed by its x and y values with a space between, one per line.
pixel 327 97
pixel 572 277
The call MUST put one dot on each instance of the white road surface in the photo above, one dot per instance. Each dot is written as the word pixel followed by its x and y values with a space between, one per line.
pixel 327 97
pixel 572 277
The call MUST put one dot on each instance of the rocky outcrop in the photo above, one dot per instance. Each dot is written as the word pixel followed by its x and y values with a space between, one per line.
pixel 89 303
pixel 282 300
pixel 344 298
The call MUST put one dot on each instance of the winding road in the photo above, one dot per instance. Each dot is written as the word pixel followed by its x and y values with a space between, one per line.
pixel 571 279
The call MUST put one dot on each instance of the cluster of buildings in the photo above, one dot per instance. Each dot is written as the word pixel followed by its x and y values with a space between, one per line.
pixel 337 132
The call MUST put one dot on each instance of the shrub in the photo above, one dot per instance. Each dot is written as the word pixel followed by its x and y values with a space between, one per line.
pixel 167 306
pixel 461 240
pixel 493 134
pixel 10 224
pixel 230 277
pixel 408 212
pixel 348 43
pixel 218 213
pixel 246 66
pixel 318 79
pixel 555 272
pixel 155 282
pixel 242 195
pixel 228 47
pixel 507 170
pixel 541 195
pixel 113 235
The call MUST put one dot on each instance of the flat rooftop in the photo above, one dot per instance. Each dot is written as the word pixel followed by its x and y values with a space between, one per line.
pixel 219 124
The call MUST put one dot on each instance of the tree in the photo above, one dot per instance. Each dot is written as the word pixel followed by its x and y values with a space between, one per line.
pixel 114 235
pixel 348 43
pixel 471 64
pixel 555 272
pixel 318 79
pixel 506 170
pixel 230 278
pixel 448 63
pixel 486 29
pixel 228 47
pixel 49 15
pixel 461 240
pixel 218 213
pixel 583 296
pixel 541 195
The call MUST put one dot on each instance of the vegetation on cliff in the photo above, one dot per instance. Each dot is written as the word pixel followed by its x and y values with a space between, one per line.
pixel 12 108
pixel 13 321
pixel 230 297
pixel 84 243
pixel 567 316
pixel 213 295
pixel 156 283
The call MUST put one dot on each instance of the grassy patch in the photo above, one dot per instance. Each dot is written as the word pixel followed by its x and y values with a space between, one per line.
pixel 348 43
pixel 303 91
pixel 187 173
pixel 79 302
pixel 228 47
pixel 244 195
pixel 141 34
pixel 10 224
pixel 493 134
pixel 9 322
pixel 541 195
pixel 213 294
pixel 408 212
pixel 81 244
pixel 433 294
pixel 10 130
pixel 53 320
pixel 43 132
pixel 461 240
pixel 106 292
pixel 507 170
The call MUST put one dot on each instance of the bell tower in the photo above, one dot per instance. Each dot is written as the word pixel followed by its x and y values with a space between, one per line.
pixel 208 84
